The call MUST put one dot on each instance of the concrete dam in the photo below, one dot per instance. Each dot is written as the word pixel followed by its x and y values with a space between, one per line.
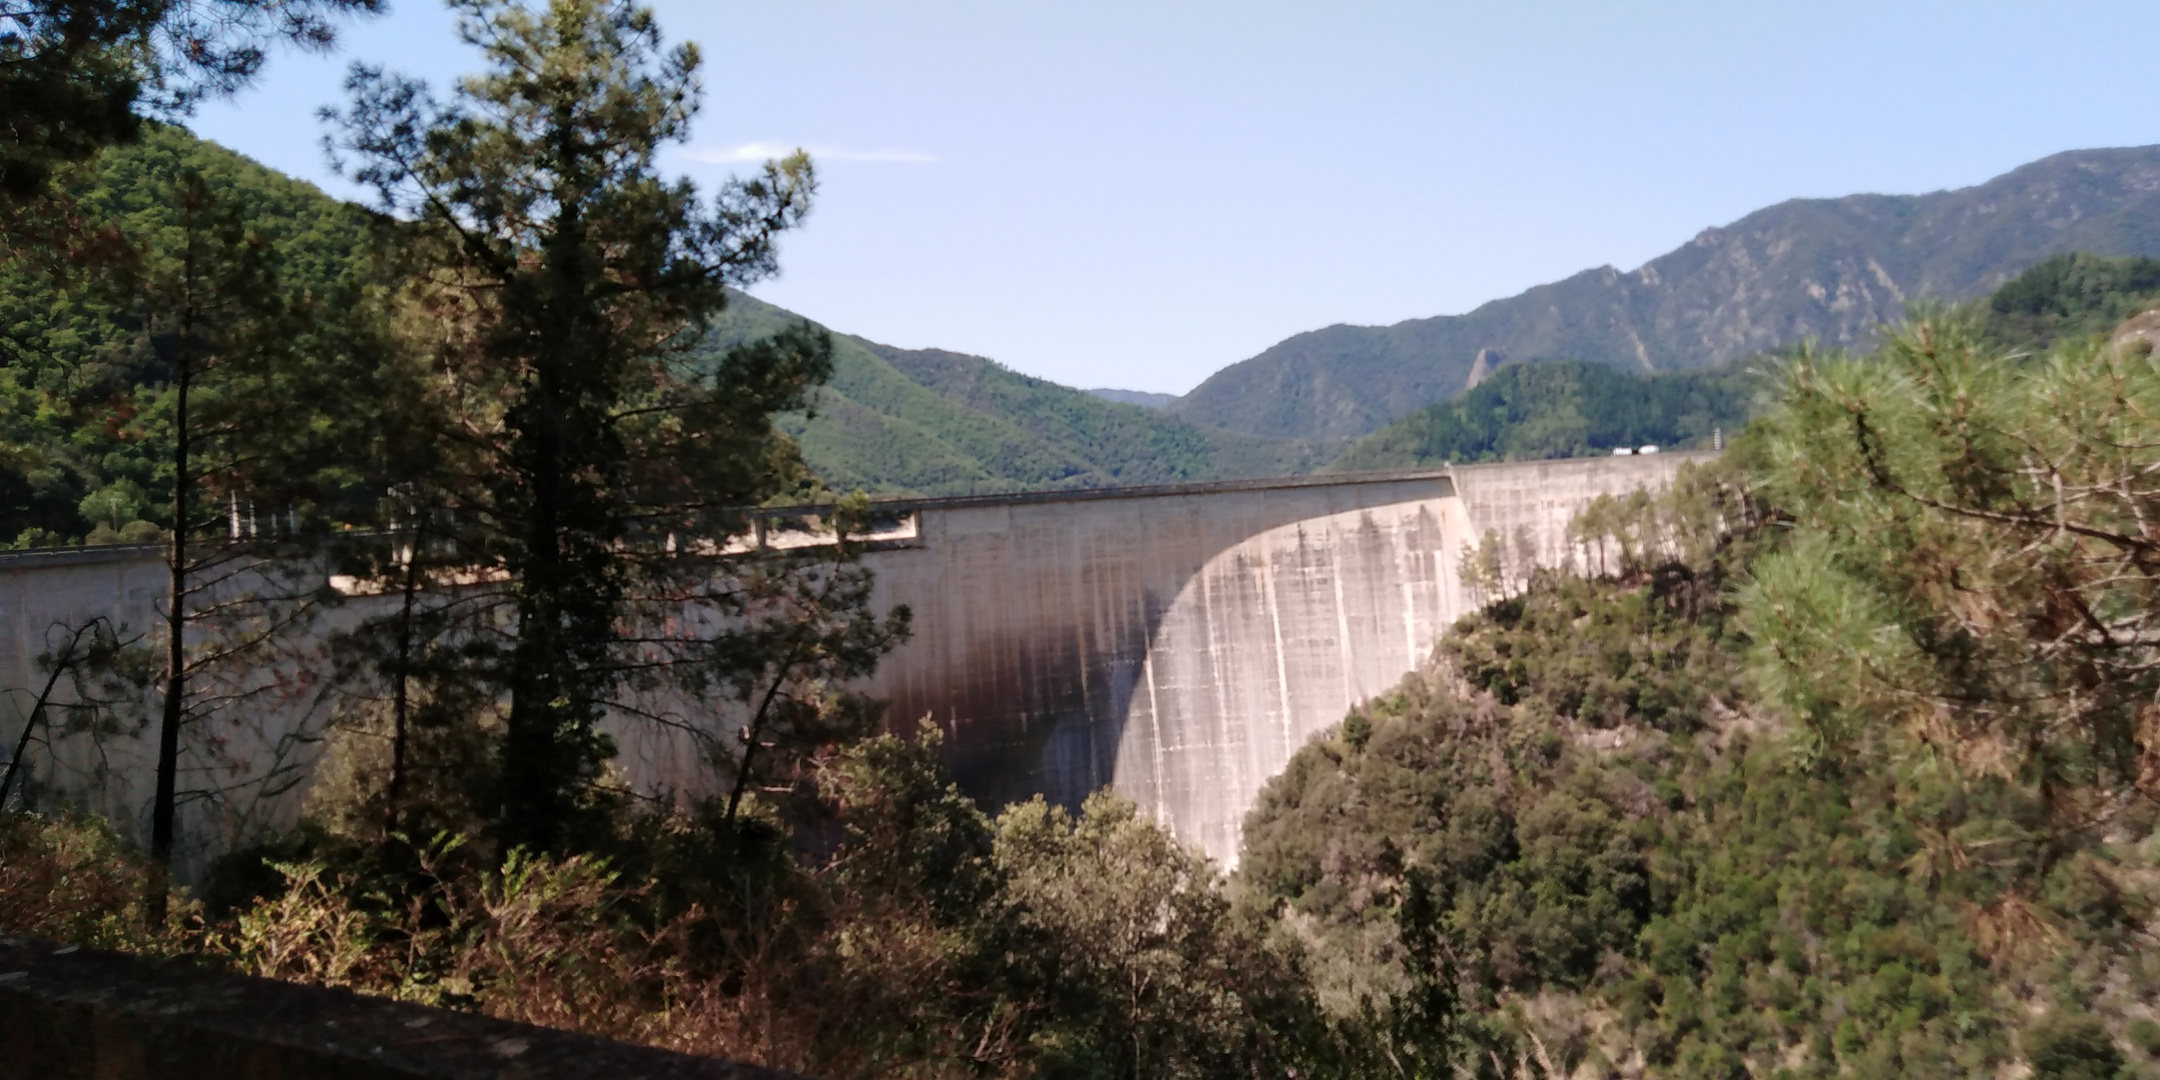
pixel 1174 643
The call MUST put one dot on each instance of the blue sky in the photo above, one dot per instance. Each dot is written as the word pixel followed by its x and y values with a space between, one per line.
pixel 1135 194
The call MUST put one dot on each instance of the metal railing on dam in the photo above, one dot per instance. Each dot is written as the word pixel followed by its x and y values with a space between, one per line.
pixel 1176 643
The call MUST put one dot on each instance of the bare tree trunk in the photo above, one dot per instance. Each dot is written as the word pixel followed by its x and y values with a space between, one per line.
pixel 67 659
pixel 168 763
pixel 750 735
pixel 394 791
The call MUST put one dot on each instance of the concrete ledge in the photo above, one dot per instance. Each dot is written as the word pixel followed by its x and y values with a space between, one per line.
pixel 1132 491
pixel 84 1013
pixel 39 558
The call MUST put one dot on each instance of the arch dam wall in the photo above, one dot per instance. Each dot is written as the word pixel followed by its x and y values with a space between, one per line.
pixel 1175 643
pixel 1178 644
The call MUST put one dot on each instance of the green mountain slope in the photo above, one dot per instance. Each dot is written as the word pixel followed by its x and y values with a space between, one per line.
pixel 2071 296
pixel 1828 269
pixel 930 422
pixel 1134 397
pixel 1568 408
pixel 892 421
pixel 1558 409
pixel 71 349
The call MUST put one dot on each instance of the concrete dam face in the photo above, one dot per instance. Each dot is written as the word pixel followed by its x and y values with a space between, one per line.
pixel 1176 644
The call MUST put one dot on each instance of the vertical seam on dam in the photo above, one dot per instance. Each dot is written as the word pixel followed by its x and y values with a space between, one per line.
pixel 1282 671
pixel 1405 559
pixel 1342 630
pixel 1160 810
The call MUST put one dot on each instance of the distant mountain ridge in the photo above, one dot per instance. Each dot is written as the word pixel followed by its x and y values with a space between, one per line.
pixel 1569 408
pixel 898 421
pixel 1143 398
pixel 895 421
pixel 1828 269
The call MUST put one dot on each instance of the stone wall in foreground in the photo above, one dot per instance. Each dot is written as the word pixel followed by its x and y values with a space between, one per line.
pixel 83 1014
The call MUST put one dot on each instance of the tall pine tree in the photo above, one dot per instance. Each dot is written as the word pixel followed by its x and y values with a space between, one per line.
pixel 570 284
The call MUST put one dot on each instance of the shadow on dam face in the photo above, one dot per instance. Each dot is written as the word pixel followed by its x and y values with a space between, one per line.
pixel 1067 639
pixel 1178 644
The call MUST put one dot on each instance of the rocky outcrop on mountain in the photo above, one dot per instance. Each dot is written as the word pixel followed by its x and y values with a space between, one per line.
pixel 1827 269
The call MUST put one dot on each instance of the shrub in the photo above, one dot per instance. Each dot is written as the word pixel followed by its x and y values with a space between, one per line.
pixel 2072 1046
pixel 2145 1035
pixel 70 879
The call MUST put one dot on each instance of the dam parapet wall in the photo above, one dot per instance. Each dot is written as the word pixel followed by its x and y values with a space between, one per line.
pixel 1174 643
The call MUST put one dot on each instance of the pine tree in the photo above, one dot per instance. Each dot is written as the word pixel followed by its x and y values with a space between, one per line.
pixel 77 75
pixel 571 283
pixel 1972 574
pixel 248 385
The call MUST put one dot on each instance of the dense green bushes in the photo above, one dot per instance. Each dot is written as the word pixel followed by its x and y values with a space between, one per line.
pixel 1864 789
pixel 920 937
pixel 1639 873
pixel 1555 409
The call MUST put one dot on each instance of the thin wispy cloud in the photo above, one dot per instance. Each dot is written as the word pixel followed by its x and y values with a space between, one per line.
pixel 765 151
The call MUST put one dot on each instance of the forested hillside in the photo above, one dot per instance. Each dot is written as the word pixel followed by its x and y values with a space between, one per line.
pixel 888 421
pixel 1827 269
pixel 2068 297
pixel 1572 408
pixel 929 422
pixel 75 460
pixel 1805 767
pixel 1559 409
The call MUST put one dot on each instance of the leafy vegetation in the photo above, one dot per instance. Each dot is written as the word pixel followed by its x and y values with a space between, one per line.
pixel 2069 296
pixel 929 940
pixel 1559 409
pixel 1836 764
